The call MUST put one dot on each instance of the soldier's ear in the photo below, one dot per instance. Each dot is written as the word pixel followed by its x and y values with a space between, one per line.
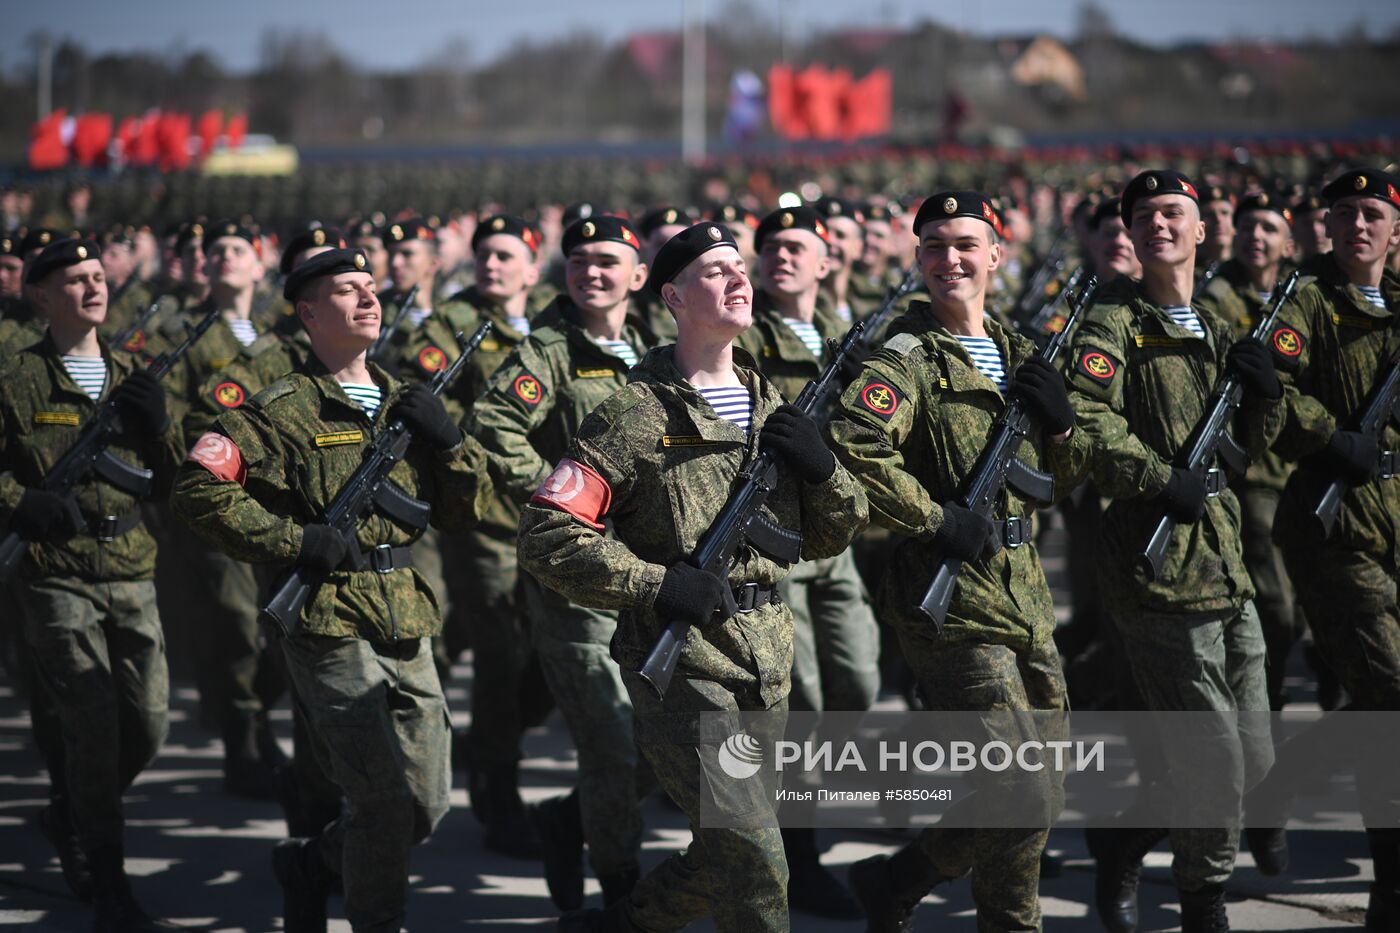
pixel 993 254
pixel 671 297
pixel 639 278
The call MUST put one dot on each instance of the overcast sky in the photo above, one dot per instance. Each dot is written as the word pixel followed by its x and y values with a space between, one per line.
pixel 398 34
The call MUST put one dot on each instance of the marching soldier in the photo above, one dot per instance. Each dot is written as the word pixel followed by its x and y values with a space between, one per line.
pixel 658 497
pixel 656 227
pixel 1218 214
pixel 578 353
pixel 89 597
pixel 1142 369
pixel 847 245
pixel 1310 235
pixel 257 486
pixel 921 405
pixel 1112 253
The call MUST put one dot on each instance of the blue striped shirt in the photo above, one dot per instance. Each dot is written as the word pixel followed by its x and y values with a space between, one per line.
pixel 986 357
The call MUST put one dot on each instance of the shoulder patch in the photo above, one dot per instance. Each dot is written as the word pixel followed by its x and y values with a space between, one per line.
pixel 880 398
pixel 136 342
pixel 431 359
pixel 903 344
pixel 527 389
pixel 578 489
pixel 1098 365
pixel 1287 343
pixel 229 394
pixel 220 456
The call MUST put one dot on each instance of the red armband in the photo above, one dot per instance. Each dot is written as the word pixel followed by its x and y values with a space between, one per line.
pixel 219 456
pixel 576 488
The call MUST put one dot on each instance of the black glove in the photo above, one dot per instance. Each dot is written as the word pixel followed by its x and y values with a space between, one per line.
pixel 141 400
pixel 424 412
pixel 854 362
pixel 1252 362
pixel 794 437
pixel 965 534
pixel 47 516
pixel 1354 456
pixel 1042 388
pixel 322 547
pixel 1185 496
pixel 689 594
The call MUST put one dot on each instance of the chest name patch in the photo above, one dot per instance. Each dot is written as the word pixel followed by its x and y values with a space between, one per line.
pixel 601 373
pixel 66 418
pixel 687 440
pixel 338 438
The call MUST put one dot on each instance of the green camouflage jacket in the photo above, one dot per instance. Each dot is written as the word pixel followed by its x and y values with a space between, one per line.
pixel 911 427
pixel 782 356
pixel 42 411
pixel 668 464
pixel 1331 347
pixel 540 394
pixel 265 360
pixel 409 348
pixel 1140 384
pixel 283 456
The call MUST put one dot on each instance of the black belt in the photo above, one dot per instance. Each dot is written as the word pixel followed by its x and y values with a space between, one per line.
pixel 1389 464
pixel 380 559
pixel 110 527
pixel 752 596
pixel 1013 532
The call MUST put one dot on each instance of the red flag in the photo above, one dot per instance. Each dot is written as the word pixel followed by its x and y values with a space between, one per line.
pixel 47 150
pixel 90 138
pixel 172 136
pixel 817 102
pixel 780 101
pixel 210 125
pixel 868 105
pixel 145 148
pixel 127 131
pixel 235 131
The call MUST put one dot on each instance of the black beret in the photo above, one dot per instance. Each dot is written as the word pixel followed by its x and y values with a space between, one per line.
pixel 415 228
pixel 1307 204
pixel 366 228
pixel 659 217
pixel 946 205
pixel 60 254
pixel 38 238
pixel 1152 183
pixel 1103 209
pixel 884 210
pixel 734 214
pixel 581 210
pixel 225 228
pixel 119 233
pixel 517 227
pixel 9 245
pixel 309 239
pixel 684 248
pixel 321 265
pixel 1213 193
pixel 791 218
pixel 1264 201
pixel 839 207
pixel 600 229
pixel 1364 183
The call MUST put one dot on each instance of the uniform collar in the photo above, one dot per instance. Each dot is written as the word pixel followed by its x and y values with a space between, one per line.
pixel 658 370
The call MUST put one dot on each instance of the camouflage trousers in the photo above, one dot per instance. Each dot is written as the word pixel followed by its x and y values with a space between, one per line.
pixel 380 721
pixel 737 875
pixel 100 655
pixel 1005 862
pixel 238 675
pixel 483 579
pixel 1279 615
pixel 1204 662
pixel 836 644
pixel 573 645
pixel 1352 604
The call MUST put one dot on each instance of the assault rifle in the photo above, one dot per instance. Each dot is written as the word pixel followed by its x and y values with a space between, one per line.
pixel 89 452
pixel 1049 269
pixel 387 333
pixel 369 486
pixel 874 325
pixel 1383 406
pixel 1213 438
pixel 1048 320
pixel 998 467
pixel 740 520
pixel 120 338
pixel 1211 272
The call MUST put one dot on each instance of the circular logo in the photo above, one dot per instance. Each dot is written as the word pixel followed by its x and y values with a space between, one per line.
pixel 396 232
pixel 1098 365
pixel 528 388
pixel 565 483
pixel 431 359
pixel 1287 342
pixel 1151 183
pixel 589 229
pixel 880 398
pixel 714 234
pixel 1360 183
pixel 359 260
pixel 318 237
pixel 215 452
pixel 498 224
pixel 671 216
pixel 786 220
pixel 228 394
pixel 741 756
pixel 81 251
pixel 135 342
pixel 950 205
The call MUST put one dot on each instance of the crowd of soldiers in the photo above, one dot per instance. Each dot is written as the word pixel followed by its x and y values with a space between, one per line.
pixel 546 512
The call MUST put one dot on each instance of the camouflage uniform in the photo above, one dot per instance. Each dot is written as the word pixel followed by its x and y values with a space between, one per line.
pixel 90 606
pixel 1331 347
pixel 910 427
pixel 361 664
pixel 1232 299
pixel 1140 385
pixel 836 642
pixel 525 419
pixel 664 496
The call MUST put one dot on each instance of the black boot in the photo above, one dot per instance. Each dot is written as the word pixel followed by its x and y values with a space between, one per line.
pixel 1203 911
pixel 1383 909
pixel 1269 848
pixel 617 885
pixel 57 828
pixel 117 909
pixel 559 826
pixel 508 830
pixel 889 888
pixel 306 883
pixel 245 773
pixel 611 919
pixel 1119 853
pixel 811 888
